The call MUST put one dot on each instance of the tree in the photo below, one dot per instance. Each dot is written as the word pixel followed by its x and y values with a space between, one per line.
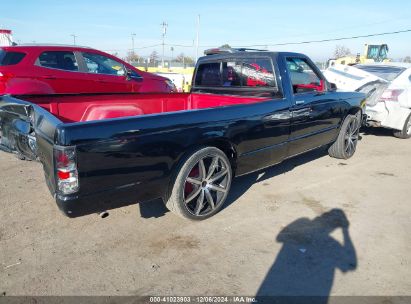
pixel 153 56
pixel 184 59
pixel 407 59
pixel 341 51
pixel 132 57
pixel 225 46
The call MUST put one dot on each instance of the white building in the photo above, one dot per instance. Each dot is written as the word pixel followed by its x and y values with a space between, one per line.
pixel 6 37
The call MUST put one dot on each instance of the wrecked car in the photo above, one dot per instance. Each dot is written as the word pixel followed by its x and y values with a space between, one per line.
pixel 388 89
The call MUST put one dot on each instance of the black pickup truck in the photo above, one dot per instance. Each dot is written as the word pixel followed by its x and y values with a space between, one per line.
pixel 247 110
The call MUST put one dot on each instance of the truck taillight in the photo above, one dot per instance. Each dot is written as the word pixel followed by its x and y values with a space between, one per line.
pixel 391 95
pixel 66 169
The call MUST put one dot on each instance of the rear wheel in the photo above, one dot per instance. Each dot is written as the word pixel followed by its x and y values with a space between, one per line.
pixel 406 130
pixel 202 184
pixel 345 145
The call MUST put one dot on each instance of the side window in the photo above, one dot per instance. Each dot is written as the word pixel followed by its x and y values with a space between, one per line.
pixel 10 58
pixel 303 77
pixel 61 60
pixel 100 64
pixel 208 75
pixel 258 72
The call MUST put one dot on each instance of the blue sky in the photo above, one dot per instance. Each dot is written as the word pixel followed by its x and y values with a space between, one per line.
pixel 107 25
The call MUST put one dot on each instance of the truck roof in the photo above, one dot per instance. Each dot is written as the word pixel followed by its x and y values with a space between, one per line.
pixel 222 53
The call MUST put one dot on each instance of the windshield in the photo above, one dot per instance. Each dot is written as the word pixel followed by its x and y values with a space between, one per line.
pixel 388 73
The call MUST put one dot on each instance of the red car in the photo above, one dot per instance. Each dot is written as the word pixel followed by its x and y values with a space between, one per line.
pixel 46 69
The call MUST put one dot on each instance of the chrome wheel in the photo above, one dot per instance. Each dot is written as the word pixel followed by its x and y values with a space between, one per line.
pixel 206 185
pixel 351 137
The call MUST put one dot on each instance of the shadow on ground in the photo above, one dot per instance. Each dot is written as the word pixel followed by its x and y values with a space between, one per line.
pixel 376 131
pixel 153 209
pixel 243 183
pixel 303 271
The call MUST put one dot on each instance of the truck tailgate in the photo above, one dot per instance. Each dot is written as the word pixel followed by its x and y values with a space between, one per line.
pixel 28 131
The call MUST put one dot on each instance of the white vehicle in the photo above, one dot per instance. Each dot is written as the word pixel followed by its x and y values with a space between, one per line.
pixel 177 79
pixel 388 86
pixel 6 38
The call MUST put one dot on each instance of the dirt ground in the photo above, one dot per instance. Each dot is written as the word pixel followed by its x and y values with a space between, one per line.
pixel 284 231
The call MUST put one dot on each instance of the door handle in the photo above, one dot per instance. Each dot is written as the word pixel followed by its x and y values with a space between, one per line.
pixel 49 77
pixel 278 116
pixel 299 102
pixel 302 112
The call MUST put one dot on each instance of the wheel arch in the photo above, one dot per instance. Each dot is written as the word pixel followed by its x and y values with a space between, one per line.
pixel 221 143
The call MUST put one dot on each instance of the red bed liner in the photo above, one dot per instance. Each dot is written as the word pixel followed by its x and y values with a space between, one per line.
pixel 75 108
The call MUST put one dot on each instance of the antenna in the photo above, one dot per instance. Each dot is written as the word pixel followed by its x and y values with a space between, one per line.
pixel 198 36
pixel 74 38
pixel 164 26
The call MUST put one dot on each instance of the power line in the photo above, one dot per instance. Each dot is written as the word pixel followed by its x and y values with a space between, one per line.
pixel 327 40
pixel 280 44
pixel 332 30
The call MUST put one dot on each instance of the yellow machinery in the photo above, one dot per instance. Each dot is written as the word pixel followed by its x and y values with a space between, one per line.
pixel 372 53
pixel 186 74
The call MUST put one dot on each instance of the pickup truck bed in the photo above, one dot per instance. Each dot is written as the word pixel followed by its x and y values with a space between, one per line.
pixel 87 107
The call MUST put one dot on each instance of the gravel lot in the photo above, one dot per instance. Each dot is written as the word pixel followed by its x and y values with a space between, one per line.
pixel 277 234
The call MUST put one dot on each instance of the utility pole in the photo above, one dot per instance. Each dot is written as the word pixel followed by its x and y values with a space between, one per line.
pixel 132 43
pixel 172 55
pixel 74 38
pixel 163 35
pixel 198 36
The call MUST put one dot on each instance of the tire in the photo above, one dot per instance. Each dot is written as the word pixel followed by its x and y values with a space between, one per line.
pixel 406 130
pixel 201 185
pixel 345 145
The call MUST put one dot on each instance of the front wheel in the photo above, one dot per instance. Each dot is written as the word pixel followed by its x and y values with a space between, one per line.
pixel 345 145
pixel 202 184
pixel 406 130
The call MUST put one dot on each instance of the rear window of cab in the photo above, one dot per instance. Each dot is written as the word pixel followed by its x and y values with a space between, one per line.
pixel 240 73
pixel 10 57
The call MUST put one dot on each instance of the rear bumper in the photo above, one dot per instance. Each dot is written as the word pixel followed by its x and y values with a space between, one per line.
pixel 78 205
pixel 74 206
pixel 388 114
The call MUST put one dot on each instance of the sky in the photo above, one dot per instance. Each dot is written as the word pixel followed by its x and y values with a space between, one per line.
pixel 109 25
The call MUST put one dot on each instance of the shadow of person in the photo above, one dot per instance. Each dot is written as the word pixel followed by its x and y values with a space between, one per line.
pixel 303 271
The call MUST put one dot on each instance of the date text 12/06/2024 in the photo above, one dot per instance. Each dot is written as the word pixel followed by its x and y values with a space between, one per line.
pixel 203 299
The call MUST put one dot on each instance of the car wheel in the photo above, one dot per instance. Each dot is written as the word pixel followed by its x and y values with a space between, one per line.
pixel 201 185
pixel 345 145
pixel 406 130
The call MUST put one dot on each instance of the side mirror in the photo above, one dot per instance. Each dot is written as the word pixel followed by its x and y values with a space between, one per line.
pixel 133 76
pixel 333 87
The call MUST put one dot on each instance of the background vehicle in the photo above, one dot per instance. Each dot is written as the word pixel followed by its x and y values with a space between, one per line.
pixel 244 113
pixel 372 53
pixel 42 69
pixel 388 87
